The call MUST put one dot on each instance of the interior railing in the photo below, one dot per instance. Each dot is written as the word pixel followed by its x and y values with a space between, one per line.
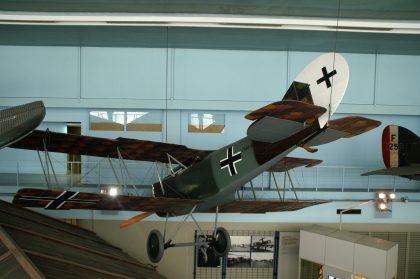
pixel 130 174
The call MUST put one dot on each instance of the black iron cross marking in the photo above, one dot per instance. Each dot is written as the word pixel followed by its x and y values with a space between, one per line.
pixel 230 161
pixel 60 200
pixel 326 77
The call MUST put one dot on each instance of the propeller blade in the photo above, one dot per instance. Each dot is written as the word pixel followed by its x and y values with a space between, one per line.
pixel 135 219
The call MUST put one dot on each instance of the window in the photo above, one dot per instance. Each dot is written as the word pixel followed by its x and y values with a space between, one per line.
pixel 106 120
pixel 206 123
pixel 144 121
pixel 150 121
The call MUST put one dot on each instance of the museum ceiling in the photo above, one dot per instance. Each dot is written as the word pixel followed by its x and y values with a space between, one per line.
pixel 363 9
pixel 381 26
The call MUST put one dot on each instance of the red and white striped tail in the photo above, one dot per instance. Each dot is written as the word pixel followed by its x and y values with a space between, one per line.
pixel 390 146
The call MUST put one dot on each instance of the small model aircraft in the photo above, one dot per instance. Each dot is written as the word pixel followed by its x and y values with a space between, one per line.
pixel 206 181
pixel 400 153
pixel 18 122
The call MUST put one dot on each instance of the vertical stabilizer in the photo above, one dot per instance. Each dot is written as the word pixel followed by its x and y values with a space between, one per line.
pixel 299 92
pixel 327 77
pixel 400 147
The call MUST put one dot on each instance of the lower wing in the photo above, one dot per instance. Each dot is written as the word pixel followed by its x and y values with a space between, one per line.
pixel 63 199
pixel 264 206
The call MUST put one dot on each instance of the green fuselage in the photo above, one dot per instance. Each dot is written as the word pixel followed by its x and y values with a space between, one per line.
pixel 216 178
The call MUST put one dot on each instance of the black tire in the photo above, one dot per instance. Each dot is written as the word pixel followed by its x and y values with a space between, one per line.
pixel 155 246
pixel 221 244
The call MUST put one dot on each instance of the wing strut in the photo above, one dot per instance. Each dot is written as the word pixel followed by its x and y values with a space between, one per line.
pixel 170 158
pixel 253 191
pixel 122 162
pixel 291 185
pixel 120 185
pixel 160 179
pixel 48 165
pixel 277 186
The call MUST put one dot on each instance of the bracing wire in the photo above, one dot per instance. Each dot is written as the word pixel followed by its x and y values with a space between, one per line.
pixel 167 81
pixel 335 52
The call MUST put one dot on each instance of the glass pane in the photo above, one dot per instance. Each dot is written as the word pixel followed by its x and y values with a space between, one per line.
pixel 206 123
pixel 144 121
pixel 310 270
pixel 106 120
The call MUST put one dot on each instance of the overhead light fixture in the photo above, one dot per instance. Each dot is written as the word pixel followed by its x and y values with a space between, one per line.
pixel 382 195
pixel 382 206
pixel 384 200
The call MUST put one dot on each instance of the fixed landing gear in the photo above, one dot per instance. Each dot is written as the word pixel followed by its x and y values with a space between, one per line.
pixel 218 242
pixel 155 246
pixel 221 243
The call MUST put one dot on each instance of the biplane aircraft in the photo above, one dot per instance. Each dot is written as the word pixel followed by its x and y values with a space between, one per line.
pixel 400 153
pixel 206 181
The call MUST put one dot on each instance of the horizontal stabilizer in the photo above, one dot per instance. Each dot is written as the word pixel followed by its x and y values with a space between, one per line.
pixel 261 206
pixel 289 110
pixel 406 170
pixel 270 129
pixel 62 199
pixel 345 127
pixel 130 149
pixel 288 163
pixel 280 120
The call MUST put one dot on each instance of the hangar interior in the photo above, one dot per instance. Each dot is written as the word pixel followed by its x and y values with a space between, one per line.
pixel 188 72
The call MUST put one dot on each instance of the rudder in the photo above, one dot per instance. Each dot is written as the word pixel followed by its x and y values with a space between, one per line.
pixel 399 146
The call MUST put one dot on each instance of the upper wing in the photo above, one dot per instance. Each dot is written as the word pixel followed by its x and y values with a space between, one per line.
pixel 62 199
pixel 242 206
pixel 288 163
pixel 130 149
pixel 345 127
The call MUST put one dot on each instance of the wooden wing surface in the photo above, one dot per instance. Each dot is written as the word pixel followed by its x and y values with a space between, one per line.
pixel 353 125
pixel 345 127
pixel 131 149
pixel 289 110
pixel 62 199
pixel 264 206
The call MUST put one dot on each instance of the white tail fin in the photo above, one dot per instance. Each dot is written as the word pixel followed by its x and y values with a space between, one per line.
pixel 327 77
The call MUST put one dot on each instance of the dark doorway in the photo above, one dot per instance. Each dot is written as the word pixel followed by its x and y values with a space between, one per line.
pixel 74 161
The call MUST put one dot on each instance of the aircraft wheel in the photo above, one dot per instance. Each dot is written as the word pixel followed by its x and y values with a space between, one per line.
pixel 221 244
pixel 155 246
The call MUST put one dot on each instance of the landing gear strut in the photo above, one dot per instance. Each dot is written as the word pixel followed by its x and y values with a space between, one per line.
pixel 218 242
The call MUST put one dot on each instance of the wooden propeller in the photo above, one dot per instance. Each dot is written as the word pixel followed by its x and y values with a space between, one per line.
pixel 135 219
